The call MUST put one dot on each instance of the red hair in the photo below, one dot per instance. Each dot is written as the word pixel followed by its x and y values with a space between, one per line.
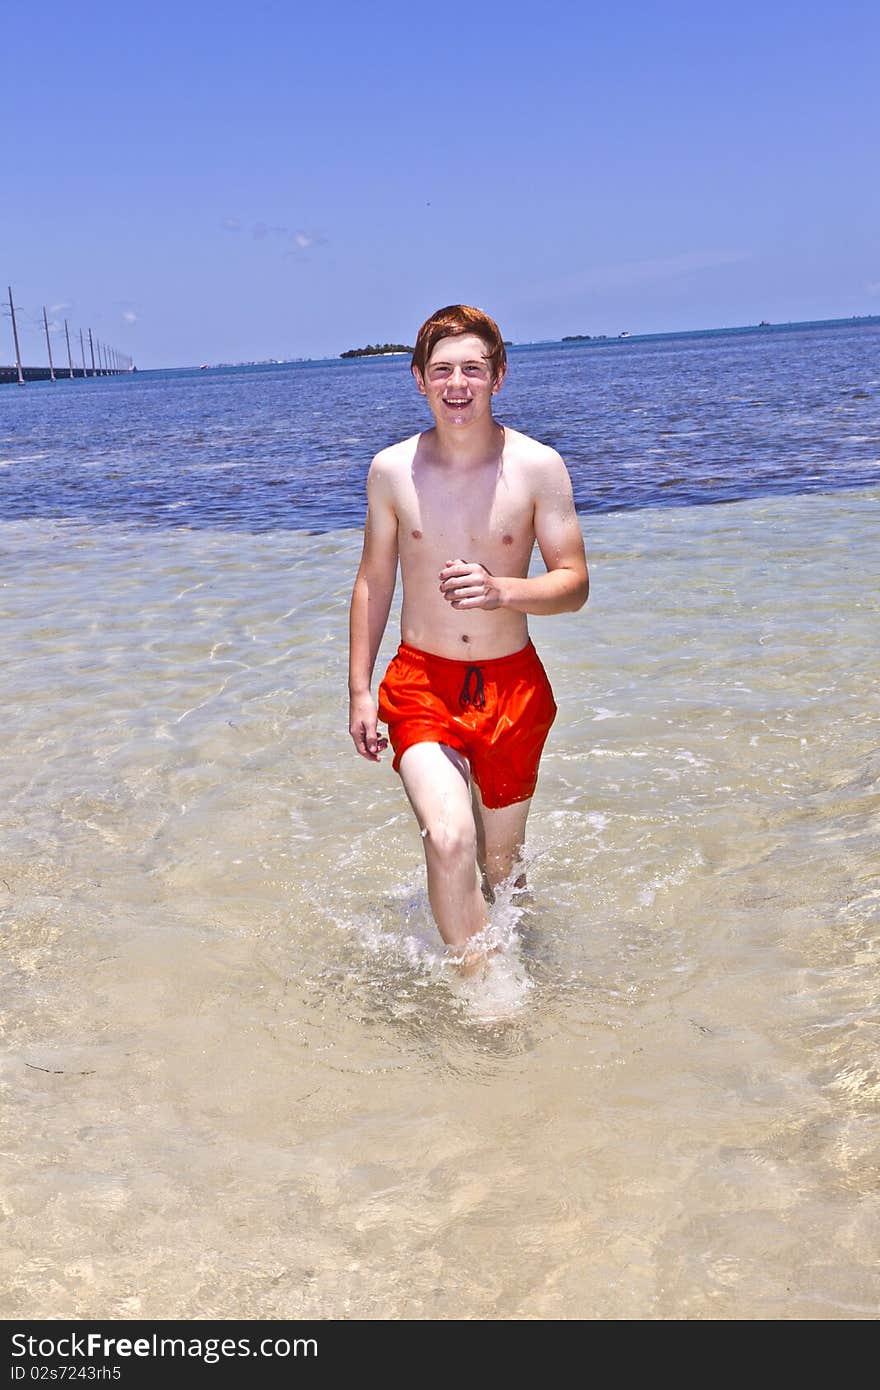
pixel 453 322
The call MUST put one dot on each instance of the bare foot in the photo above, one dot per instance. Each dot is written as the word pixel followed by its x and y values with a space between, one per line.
pixel 470 960
pixel 497 992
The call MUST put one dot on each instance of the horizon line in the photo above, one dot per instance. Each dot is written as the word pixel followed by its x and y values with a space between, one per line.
pixel 574 340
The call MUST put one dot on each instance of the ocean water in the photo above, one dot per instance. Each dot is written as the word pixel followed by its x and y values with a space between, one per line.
pixel 661 421
pixel 239 1079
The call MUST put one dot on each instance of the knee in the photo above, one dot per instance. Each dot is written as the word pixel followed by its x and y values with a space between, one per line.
pixel 447 845
pixel 500 863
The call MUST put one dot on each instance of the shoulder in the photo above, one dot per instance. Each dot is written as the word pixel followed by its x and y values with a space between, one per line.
pixel 539 462
pixel 388 470
pixel 396 456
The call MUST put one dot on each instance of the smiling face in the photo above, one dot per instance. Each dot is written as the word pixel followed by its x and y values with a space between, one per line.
pixel 458 380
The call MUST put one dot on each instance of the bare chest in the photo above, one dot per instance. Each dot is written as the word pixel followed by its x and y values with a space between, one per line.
pixel 489 519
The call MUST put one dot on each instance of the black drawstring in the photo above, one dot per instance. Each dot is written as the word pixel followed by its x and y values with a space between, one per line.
pixel 478 698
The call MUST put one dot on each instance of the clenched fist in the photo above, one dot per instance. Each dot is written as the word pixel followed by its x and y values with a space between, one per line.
pixel 467 584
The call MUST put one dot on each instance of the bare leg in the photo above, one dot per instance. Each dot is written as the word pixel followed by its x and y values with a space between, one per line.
pixel 501 836
pixel 436 780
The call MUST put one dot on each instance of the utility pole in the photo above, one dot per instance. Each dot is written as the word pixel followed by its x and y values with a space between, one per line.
pixel 69 358
pixel 48 346
pixel 15 336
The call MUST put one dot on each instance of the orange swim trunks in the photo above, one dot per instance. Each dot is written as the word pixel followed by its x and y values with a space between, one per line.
pixel 497 713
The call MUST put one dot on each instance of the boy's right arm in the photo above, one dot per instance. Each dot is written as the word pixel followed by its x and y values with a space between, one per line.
pixel 370 605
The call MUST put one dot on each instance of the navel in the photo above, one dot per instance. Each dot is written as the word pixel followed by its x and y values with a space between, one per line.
pixel 507 540
pixel 416 535
pixel 464 637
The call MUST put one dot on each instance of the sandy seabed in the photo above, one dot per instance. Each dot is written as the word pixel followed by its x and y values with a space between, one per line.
pixel 239 1081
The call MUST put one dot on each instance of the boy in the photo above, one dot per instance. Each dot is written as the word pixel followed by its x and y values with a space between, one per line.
pixel 467 702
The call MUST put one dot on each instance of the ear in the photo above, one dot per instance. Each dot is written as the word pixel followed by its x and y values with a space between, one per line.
pixel 420 381
pixel 499 382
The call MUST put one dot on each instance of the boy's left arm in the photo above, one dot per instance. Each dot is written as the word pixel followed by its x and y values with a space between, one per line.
pixel 566 585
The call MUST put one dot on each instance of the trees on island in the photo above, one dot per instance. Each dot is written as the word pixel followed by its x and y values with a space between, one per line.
pixel 376 350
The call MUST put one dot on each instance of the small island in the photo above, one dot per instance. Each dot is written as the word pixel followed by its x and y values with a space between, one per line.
pixel 377 350
pixel 576 338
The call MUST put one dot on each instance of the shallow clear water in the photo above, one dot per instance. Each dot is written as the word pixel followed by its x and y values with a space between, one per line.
pixel 238 1079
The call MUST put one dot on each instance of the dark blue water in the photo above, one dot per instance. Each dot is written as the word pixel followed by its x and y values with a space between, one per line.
pixel 671 421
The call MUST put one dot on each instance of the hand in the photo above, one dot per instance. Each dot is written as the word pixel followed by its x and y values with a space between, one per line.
pixel 362 716
pixel 467 584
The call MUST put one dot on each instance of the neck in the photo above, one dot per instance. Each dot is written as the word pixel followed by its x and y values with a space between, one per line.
pixel 473 444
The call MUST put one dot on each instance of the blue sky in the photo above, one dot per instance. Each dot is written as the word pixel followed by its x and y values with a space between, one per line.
pixel 211 182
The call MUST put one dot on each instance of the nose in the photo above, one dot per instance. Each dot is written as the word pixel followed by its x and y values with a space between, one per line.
pixel 457 376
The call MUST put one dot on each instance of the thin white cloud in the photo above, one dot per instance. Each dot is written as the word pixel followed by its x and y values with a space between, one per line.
pixel 129 316
pixel 297 240
pixel 302 241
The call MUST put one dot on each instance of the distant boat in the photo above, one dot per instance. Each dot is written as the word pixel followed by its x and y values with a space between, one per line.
pixel 203 367
pixel 763 324
pixel 624 334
